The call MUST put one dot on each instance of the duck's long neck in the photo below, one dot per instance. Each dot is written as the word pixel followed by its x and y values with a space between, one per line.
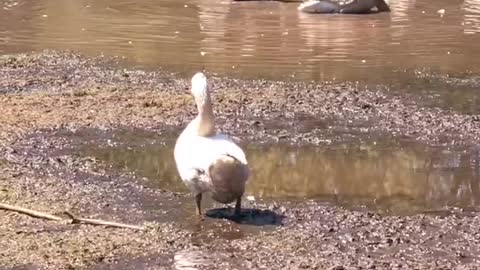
pixel 204 123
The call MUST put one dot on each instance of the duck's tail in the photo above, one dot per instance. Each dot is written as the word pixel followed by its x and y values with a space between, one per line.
pixel 229 176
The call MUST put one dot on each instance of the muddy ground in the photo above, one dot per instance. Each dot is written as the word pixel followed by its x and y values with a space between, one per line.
pixel 50 93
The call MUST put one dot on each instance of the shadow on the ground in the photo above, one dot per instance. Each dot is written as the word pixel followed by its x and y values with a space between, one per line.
pixel 248 216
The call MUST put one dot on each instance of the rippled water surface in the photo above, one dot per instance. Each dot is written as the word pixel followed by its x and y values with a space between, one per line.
pixel 253 39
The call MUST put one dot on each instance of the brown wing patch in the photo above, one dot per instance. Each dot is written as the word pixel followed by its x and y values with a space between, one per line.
pixel 228 179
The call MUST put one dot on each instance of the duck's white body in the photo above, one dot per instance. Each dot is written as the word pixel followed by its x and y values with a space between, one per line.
pixel 199 157
pixel 206 161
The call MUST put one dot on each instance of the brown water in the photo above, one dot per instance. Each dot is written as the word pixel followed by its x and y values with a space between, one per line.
pixel 388 176
pixel 253 39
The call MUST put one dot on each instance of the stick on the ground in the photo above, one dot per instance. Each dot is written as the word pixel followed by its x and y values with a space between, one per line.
pixel 71 218
pixel 102 222
pixel 29 212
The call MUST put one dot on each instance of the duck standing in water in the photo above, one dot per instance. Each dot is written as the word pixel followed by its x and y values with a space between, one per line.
pixel 207 161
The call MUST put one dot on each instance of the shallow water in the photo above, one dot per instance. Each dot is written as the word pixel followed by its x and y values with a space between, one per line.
pixel 254 38
pixel 397 177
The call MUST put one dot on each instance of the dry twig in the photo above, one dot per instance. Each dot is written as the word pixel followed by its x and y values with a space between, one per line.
pixel 71 218
pixel 102 222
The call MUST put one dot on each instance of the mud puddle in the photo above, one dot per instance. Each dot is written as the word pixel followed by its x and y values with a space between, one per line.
pixel 187 259
pixel 389 176
pixel 73 153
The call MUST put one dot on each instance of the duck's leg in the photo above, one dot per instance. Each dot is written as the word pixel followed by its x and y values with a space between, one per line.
pixel 238 206
pixel 198 201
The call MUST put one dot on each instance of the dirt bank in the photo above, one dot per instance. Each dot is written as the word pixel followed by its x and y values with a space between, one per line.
pixel 50 92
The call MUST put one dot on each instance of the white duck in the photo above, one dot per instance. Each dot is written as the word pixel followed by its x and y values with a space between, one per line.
pixel 206 161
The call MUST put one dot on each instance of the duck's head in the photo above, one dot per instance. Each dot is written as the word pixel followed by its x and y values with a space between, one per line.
pixel 199 87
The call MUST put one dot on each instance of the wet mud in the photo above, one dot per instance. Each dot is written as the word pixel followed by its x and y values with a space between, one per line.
pixel 53 102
